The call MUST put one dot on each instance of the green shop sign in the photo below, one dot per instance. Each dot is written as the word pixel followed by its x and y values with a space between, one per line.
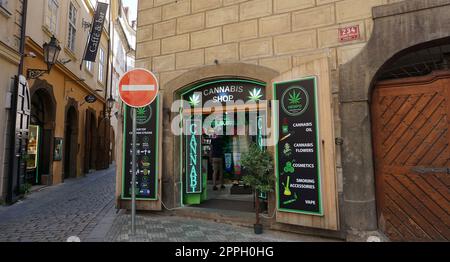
pixel 298 150
pixel 147 157
pixel 193 156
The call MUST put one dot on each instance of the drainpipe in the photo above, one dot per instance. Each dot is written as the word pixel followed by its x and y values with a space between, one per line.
pixel 23 35
pixel 13 111
pixel 108 82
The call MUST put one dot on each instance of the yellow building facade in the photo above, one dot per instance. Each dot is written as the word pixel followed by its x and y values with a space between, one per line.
pixel 71 132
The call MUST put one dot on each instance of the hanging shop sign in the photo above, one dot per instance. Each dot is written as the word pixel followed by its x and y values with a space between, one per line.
pixel 193 156
pixel 225 91
pixel 147 120
pixel 90 99
pixel 297 153
pixel 90 54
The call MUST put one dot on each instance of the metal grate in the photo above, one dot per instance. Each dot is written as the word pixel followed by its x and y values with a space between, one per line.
pixel 419 63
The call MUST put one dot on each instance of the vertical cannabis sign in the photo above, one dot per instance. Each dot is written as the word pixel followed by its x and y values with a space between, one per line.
pixel 193 155
pixel 147 119
pixel 298 150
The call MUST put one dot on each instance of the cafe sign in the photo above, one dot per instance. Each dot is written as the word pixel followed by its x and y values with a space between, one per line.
pixel 95 35
pixel 90 99
pixel 298 150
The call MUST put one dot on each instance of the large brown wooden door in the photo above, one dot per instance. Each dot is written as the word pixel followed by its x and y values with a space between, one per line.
pixel 411 119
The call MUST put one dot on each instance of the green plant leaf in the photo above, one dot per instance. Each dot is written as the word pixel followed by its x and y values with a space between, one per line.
pixel 255 94
pixel 194 100
pixel 294 98
pixel 258 166
pixel 141 111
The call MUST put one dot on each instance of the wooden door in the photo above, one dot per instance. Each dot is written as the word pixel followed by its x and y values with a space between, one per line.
pixel 411 119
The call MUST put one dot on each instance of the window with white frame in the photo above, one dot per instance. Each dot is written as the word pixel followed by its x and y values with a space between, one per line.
pixel 4 3
pixel 72 27
pixel 89 66
pixel 101 65
pixel 51 15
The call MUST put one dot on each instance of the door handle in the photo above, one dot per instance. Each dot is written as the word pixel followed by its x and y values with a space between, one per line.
pixel 425 170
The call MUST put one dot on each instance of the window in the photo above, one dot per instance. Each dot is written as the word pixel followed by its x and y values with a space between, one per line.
pixel 3 3
pixel 51 16
pixel 72 27
pixel 4 8
pixel 101 65
pixel 89 66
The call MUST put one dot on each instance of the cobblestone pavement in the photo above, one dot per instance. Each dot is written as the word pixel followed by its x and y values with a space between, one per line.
pixel 55 213
pixel 160 228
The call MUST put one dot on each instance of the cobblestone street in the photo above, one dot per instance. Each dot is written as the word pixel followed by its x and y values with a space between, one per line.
pixel 161 228
pixel 56 213
pixel 85 208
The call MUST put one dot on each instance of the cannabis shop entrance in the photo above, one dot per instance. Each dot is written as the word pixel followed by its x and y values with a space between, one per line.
pixel 221 119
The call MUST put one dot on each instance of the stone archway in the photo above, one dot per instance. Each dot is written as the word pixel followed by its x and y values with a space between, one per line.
pixel 71 139
pixel 43 115
pixel 171 179
pixel 112 146
pixel 103 143
pixel 90 141
pixel 396 28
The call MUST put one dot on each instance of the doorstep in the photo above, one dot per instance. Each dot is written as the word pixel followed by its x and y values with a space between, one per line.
pixel 230 217
pixel 37 188
pixel 247 219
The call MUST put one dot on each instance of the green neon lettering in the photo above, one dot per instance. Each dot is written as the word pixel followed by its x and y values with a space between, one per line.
pixel 193 158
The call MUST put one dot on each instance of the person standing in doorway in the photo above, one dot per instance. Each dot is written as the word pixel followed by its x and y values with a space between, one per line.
pixel 217 160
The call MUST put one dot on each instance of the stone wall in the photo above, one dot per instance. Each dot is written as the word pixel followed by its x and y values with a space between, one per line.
pixel 175 37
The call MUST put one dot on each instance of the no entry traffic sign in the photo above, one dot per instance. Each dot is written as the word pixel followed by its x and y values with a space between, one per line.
pixel 138 88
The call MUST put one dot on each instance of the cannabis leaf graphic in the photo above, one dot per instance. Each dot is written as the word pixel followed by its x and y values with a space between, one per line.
pixel 294 98
pixel 141 111
pixel 194 100
pixel 255 95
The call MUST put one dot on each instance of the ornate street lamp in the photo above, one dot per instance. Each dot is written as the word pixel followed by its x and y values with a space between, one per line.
pixel 51 53
pixel 110 104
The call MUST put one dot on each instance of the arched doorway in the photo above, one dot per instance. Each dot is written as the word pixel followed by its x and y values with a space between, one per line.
pixel 43 106
pixel 395 30
pixel 90 142
pixel 103 143
pixel 71 140
pixel 211 164
pixel 411 133
pixel 172 160
pixel 112 146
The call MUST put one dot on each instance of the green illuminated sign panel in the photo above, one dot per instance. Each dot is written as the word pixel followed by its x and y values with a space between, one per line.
pixel 193 156
pixel 298 150
pixel 147 155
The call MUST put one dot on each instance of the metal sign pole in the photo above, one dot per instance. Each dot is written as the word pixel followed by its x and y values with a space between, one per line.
pixel 133 186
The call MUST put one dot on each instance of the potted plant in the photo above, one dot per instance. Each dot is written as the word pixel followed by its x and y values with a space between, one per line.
pixel 25 189
pixel 258 167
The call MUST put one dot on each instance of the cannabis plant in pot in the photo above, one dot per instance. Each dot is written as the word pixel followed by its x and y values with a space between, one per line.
pixel 258 167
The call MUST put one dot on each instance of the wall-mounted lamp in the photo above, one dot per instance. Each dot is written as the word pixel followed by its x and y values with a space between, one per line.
pixel 86 25
pixel 51 53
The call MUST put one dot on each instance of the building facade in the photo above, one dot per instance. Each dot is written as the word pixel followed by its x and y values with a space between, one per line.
pixel 69 135
pixel 123 55
pixel 381 68
pixel 70 131
pixel 10 31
